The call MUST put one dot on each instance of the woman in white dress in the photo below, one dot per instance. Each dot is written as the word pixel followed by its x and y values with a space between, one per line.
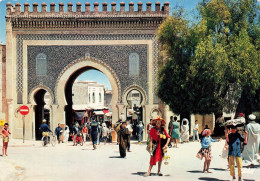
pixel 66 134
pixel 185 130
pixel 250 153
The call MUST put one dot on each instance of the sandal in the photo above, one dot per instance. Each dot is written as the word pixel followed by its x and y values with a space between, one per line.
pixel 146 174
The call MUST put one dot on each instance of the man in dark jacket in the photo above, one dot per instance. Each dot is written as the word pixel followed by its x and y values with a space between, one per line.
pixel 45 131
pixel 58 132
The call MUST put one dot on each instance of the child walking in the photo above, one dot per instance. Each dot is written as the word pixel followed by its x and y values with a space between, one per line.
pixel 205 150
pixel 5 134
pixel 234 140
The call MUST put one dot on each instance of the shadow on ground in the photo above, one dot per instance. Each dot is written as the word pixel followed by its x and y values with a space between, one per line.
pixel 255 166
pixel 195 171
pixel 219 169
pixel 211 179
pixel 152 174
pixel 115 157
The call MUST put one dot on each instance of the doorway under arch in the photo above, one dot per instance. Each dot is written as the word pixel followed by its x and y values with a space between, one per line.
pixel 41 98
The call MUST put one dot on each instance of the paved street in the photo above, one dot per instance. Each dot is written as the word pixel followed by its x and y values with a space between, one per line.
pixel 30 162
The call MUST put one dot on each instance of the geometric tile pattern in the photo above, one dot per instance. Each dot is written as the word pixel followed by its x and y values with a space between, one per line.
pixel 59 57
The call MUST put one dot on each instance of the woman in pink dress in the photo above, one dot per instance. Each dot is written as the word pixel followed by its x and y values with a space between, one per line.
pixel 158 143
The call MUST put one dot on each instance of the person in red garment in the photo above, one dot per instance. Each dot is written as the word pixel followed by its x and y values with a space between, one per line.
pixel 158 144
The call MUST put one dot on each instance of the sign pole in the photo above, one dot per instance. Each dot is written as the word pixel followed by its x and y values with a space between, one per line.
pixel 24 110
pixel 23 128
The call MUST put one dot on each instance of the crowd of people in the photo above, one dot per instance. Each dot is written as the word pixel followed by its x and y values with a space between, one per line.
pixel 240 146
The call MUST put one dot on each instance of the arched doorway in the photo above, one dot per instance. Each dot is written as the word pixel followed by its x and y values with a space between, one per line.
pixel 134 109
pixel 42 111
pixel 87 94
pixel 67 78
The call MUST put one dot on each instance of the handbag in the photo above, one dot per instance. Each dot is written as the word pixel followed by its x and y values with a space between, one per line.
pixel 154 146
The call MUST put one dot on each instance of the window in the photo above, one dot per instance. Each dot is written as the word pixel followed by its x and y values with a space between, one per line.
pixel 133 64
pixel 89 98
pixel 19 98
pixel 93 97
pixel 41 64
pixel 100 98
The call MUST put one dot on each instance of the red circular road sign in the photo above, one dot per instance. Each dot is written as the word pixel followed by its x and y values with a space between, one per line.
pixel 24 110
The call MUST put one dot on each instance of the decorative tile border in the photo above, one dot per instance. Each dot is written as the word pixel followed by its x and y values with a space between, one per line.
pixel 22 37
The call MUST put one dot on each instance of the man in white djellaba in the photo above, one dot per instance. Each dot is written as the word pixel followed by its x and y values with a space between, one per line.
pixel 66 134
pixel 250 153
pixel 185 130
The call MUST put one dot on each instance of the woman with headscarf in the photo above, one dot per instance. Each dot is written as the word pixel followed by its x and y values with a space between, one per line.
pixel 250 153
pixel 66 134
pixel 159 140
pixel 185 130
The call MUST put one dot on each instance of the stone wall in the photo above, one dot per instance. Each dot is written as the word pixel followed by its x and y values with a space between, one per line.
pixel 3 107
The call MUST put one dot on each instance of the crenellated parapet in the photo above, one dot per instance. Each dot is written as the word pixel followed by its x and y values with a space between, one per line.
pixel 49 18
pixel 12 10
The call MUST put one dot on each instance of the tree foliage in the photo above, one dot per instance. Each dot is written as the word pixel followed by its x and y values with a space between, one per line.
pixel 209 64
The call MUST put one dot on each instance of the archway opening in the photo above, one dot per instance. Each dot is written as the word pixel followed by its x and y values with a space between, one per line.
pixel 134 109
pixel 42 111
pixel 88 94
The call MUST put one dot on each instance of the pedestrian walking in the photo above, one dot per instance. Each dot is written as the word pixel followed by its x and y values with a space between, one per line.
pixel 234 140
pixel 170 129
pixel 205 151
pixel 66 134
pixel 185 131
pixel 159 140
pixel 175 132
pixel 225 148
pixel 99 133
pixel 122 138
pixel 94 132
pixel 251 149
pixel 58 132
pixel 75 131
pixel 85 132
pixel 5 133
pixel 196 131
pixel 140 127
pixel 105 132
pixel 110 134
pixel 129 127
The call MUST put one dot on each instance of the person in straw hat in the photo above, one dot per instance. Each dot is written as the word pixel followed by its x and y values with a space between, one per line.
pixel 159 140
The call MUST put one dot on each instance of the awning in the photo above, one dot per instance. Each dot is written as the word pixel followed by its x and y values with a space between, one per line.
pixel 99 112
pixel 105 111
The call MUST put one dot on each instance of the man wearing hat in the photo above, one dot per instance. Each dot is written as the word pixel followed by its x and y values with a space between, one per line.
pixel 45 130
pixel 122 138
pixel 250 153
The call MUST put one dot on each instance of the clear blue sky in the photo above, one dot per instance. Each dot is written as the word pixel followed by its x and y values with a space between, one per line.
pixel 92 75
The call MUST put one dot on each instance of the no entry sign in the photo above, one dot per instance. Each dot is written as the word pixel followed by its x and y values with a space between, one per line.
pixel 24 110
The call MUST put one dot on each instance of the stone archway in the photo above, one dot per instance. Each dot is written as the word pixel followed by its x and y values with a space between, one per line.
pixel 75 67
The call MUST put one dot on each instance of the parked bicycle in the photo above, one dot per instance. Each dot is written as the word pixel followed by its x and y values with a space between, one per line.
pixel 49 139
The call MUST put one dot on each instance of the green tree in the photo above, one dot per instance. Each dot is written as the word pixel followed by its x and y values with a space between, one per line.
pixel 208 65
